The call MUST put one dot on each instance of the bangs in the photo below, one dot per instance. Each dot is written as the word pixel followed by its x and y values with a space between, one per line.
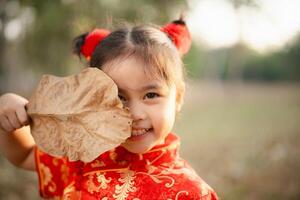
pixel 159 62
pixel 158 55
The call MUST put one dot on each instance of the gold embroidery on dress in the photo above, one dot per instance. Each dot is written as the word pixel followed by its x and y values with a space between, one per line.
pixel 181 192
pixel 179 162
pixel 101 179
pixel 113 155
pixel 151 169
pixel 172 171
pixel 163 151
pixel 64 173
pixel 97 163
pixel 204 189
pixel 157 177
pixel 47 177
pixel 70 188
pixel 169 147
pixel 123 163
pixel 52 187
pixel 168 165
pixel 55 161
pixel 46 174
pixel 70 192
pixel 192 175
pixel 106 170
pixel 91 186
pixel 127 180
pixel 180 168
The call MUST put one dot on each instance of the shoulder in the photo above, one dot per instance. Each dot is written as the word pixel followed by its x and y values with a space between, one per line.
pixel 203 191
pixel 197 187
pixel 193 184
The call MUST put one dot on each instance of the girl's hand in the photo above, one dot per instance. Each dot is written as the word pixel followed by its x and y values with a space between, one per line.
pixel 13 113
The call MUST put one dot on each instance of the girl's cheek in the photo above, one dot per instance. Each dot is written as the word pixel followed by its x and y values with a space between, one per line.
pixel 162 112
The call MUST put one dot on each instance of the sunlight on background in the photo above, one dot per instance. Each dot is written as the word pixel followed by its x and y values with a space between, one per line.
pixel 213 22
pixel 266 27
pixel 16 27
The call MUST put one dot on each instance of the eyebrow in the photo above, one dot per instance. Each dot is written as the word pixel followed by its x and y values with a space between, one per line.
pixel 146 87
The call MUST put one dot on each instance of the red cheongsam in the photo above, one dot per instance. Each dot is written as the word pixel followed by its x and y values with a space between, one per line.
pixel 121 175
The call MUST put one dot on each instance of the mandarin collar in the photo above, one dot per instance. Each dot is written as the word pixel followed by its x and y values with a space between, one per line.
pixel 120 158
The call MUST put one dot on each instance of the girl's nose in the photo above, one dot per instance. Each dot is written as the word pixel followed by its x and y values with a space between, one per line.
pixel 137 111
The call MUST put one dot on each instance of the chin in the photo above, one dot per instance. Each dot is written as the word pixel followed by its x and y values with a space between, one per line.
pixel 136 148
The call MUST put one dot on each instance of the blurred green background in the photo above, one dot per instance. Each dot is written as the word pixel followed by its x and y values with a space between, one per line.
pixel 240 123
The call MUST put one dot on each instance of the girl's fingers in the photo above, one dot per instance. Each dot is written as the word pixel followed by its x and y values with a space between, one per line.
pixel 5 124
pixel 13 119
pixel 22 116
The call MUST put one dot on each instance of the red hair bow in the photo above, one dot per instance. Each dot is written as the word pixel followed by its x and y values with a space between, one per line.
pixel 180 35
pixel 177 31
pixel 92 40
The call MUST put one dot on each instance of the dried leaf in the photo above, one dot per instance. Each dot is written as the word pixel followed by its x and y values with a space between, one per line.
pixel 78 116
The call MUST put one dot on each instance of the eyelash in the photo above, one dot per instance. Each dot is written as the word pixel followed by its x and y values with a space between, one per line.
pixel 152 93
pixel 146 96
pixel 120 97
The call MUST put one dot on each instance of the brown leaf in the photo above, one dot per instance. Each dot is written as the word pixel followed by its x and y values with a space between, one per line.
pixel 78 116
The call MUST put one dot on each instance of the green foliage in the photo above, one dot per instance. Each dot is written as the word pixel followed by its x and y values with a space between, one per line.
pixel 240 62
pixel 281 65
pixel 48 43
pixel 194 62
pixel 46 46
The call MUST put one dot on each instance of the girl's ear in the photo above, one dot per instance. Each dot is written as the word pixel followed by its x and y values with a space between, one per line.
pixel 180 96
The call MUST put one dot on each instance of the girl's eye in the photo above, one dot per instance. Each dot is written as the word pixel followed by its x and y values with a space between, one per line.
pixel 122 98
pixel 151 95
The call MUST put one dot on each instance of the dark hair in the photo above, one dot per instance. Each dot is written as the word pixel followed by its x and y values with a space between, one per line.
pixel 77 44
pixel 147 43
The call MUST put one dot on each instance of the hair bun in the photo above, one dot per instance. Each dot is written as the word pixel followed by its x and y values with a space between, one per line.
pixel 91 41
pixel 179 34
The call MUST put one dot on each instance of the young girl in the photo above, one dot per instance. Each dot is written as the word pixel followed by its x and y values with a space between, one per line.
pixel 145 63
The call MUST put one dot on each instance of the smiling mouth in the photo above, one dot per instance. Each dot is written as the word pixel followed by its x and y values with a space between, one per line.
pixel 141 131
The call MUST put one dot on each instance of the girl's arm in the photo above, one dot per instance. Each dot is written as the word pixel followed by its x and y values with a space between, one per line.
pixel 16 142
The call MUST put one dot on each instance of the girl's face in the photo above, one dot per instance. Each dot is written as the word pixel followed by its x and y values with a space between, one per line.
pixel 151 102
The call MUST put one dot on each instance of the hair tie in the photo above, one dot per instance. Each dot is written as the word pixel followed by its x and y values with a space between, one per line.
pixel 179 34
pixel 91 41
pixel 176 30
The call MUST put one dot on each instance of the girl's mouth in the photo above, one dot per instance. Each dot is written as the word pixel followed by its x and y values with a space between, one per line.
pixel 137 134
pixel 141 131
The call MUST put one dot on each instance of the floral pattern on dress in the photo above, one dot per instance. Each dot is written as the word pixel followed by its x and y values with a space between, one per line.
pixel 121 175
